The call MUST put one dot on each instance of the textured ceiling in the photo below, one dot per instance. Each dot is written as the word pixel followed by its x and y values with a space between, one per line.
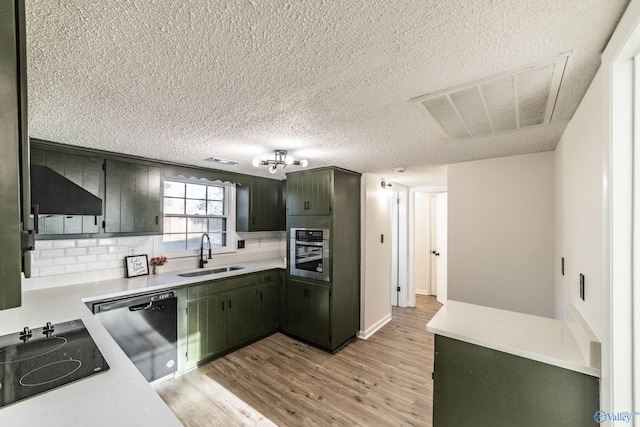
pixel 330 81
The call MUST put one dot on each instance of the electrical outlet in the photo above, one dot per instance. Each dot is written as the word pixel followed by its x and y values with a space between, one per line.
pixel 582 286
pixel 132 250
pixel 240 244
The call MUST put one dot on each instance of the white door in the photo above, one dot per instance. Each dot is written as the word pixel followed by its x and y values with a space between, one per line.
pixel 433 244
pixel 441 250
pixel 399 248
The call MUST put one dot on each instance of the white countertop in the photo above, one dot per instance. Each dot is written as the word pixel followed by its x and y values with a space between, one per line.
pixel 538 338
pixel 120 396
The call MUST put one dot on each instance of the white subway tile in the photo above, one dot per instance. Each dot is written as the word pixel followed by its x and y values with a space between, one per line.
pixel 63 244
pixel 85 243
pixel 97 266
pixel 75 268
pixel 118 250
pixel 65 260
pixel 108 257
pixel 51 271
pixel 107 242
pixel 87 258
pixel 43 244
pixel 115 264
pixel 99 250
pixel 76 251
pixel 42 262
pixel 52 253
pixel 35 272
pixel 127 241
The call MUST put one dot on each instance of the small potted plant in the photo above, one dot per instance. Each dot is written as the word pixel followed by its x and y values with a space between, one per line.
pixel 158 264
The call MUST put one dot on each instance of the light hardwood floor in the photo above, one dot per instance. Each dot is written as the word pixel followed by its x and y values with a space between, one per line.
pixel 382 381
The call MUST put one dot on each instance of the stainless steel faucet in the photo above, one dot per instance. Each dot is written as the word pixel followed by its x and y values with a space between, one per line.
pixel 202 261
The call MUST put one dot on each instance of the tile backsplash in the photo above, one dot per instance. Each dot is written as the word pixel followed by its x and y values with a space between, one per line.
pixel 68 262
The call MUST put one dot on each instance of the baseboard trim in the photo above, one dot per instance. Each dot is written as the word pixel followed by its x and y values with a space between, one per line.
pixel 363 335
pixel 421 292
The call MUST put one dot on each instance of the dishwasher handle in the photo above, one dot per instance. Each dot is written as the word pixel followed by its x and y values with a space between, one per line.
pixel 142 306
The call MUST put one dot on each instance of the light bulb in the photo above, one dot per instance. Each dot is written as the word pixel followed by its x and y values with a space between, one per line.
pixel 256 162
pixel 304 163
pixel 288 160
pixel 273 168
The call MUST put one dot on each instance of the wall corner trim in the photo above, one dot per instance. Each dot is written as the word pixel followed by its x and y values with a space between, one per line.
pixel 374 328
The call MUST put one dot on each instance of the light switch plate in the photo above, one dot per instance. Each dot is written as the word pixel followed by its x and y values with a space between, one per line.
pixel 582 286
pixel 240 244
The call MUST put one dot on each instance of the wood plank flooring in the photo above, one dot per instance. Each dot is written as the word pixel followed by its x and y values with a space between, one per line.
pixel 382 381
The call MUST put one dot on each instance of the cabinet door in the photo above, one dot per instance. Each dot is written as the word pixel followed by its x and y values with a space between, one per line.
pixel 258 206
pixel 307 310
pixel 243 314
pixel 12 105
pixel 295 300
pixel 133 202
pixel 318 317
pixel 268 297
pixel 84 171
pixel 309 192
pixel 206 327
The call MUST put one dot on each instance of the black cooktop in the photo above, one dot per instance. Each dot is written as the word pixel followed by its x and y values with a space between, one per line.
pixel 39 360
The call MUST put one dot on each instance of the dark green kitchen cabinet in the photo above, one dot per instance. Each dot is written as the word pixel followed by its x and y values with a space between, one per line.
pixel 206 327
pixel 268 294
pixel 83 170
pixel 243 314
pixel 325 312
pixel 133 198
pixel 14 165
pixel 225 314
pixel 258 205
pixel 310 192
pixel 307 311
pixel 477 386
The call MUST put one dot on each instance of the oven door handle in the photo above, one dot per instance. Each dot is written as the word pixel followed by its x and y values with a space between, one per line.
pixel 305 243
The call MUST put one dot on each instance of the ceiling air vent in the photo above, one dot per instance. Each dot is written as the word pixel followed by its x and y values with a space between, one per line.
pixel 516 100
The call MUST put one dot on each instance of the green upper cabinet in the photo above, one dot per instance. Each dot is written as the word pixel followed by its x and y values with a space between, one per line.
pixel 309 192
pixel 15 146
pixel 133 199
pixel 258 205
pixel 84 171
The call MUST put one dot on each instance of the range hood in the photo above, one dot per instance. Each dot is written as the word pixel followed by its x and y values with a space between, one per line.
pixel 55 194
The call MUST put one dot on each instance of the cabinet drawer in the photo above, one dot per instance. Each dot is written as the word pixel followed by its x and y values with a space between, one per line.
pixel 220 285
pixel 269 276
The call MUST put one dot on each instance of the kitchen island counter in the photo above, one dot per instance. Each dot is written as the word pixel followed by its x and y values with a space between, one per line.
pixel 537 338
pixel 120 396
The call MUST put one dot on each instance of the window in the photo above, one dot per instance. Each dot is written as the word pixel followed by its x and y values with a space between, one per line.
pixel 192 209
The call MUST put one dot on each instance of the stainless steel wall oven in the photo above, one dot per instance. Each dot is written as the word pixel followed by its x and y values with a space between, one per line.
pixel 309 253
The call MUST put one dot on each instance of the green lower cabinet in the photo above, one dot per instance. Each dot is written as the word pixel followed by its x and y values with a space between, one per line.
pixel 477 386
pixel 224 314
pixel 243 315
pixel 268 306
pixel 307 311
pixel 206 327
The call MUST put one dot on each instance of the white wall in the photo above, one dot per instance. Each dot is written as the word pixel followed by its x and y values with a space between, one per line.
pixel 579 207
pixel 375 307
pixel 501 233
pixel 421 243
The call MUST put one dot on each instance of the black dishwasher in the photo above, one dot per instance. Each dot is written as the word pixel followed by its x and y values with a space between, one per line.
pixel 145 327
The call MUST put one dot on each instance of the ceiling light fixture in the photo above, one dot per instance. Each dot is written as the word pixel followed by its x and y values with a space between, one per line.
pixel 281 158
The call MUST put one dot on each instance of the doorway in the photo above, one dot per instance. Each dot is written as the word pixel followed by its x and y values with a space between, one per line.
pixel 429 244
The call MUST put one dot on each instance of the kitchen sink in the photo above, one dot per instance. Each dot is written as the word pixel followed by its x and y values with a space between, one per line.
pixel 211 271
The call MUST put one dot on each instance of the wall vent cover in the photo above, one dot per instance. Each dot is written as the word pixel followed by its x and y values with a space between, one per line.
pixel 510 101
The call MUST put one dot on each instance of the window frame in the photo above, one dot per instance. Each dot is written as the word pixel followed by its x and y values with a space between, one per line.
pixel 229 214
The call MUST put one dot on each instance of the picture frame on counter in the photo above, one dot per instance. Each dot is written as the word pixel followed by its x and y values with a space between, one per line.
pixel 136 265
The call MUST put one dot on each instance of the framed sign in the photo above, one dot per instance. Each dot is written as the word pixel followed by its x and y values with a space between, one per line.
pixel 137 265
